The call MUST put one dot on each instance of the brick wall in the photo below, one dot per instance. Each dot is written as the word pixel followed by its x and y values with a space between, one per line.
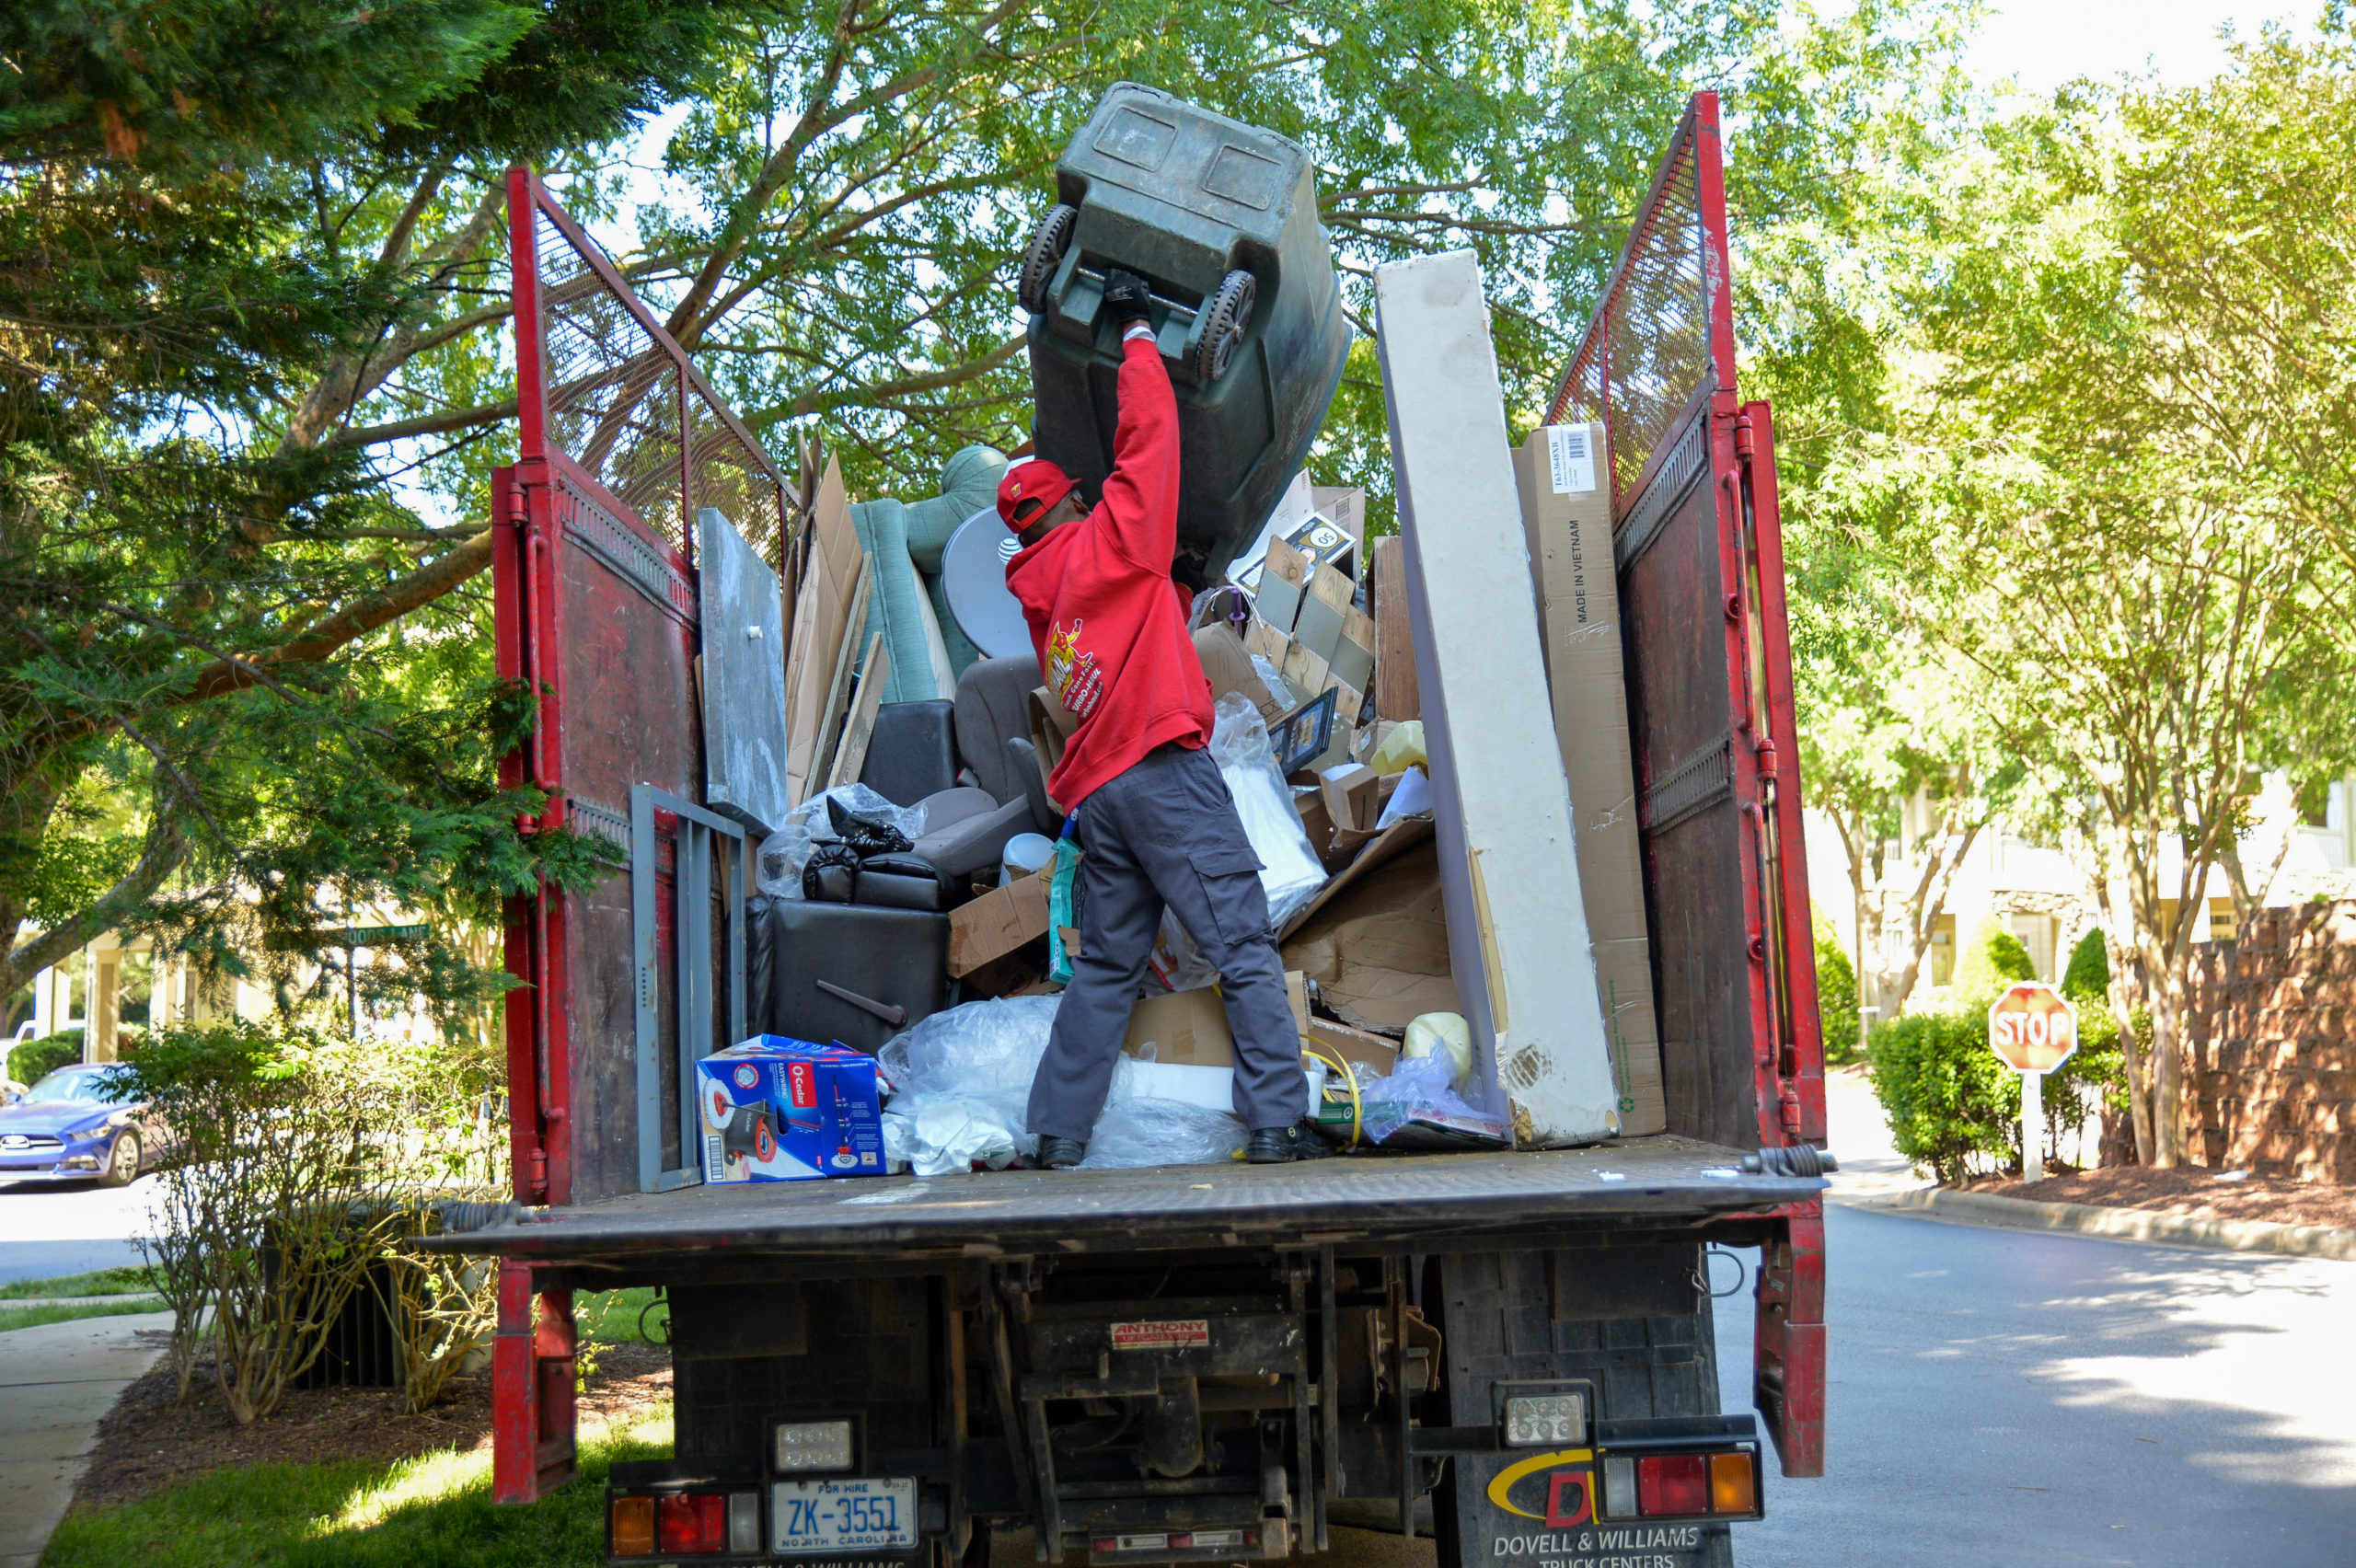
pixel 2270 1086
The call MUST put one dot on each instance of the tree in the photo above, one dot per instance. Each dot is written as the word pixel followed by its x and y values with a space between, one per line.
pixel 251 665
pixel 239 694
pixel 2118 497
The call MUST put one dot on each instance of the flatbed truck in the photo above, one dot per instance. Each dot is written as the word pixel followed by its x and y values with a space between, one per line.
pixel 1511 1350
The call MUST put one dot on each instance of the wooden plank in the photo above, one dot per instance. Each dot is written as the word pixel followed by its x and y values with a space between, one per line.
pixel 1394 637
pixel 1510 873
pixel 851 756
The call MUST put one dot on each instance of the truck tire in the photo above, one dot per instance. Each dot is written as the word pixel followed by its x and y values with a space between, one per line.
pixel 1043 255
pixel 1650 1350
pixel 1225 319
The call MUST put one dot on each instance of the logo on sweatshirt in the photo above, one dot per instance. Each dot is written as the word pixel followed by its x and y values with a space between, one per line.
pixel 1072 674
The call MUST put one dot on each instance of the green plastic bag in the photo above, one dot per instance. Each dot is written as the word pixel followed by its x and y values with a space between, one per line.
pixel 1063 902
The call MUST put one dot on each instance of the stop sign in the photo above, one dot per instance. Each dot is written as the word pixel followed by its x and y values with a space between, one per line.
pixel 2032 1028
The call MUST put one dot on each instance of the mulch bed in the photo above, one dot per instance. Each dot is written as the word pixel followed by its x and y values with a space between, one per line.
pixel 2195 1191
pixel 148 1440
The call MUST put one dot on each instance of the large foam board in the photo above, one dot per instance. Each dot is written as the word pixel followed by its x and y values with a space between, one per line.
pixel 1509 874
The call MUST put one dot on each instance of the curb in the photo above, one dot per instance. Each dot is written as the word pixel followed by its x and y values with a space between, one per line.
pixel 13 1303
pixel 2135 1224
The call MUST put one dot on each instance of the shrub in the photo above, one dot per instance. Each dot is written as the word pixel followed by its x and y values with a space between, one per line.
pixel 308 1164
pixel 1993 960
pixel 1836 997
pixel 28 1062
pixel 2088 975
pixel 1951 1104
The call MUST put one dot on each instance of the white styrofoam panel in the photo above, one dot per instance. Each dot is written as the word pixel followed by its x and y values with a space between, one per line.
pixel 742 610
pixel 1517 925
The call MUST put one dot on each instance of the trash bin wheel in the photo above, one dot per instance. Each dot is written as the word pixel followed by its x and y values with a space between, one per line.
pixel 1044 254
pixel 1224 320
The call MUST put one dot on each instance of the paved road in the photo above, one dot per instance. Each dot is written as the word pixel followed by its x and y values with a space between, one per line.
pixel 2005 1397
pixel 70 1229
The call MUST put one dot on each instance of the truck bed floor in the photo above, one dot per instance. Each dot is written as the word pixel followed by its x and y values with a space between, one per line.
pixel 1381 1199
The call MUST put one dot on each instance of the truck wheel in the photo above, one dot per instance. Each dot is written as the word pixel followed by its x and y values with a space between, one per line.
pixel 1044 254
pixel 1224 320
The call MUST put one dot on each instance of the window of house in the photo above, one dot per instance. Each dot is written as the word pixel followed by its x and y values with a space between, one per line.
pixel 1943 951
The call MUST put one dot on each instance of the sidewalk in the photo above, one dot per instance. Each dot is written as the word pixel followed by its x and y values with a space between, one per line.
pixel 57 1382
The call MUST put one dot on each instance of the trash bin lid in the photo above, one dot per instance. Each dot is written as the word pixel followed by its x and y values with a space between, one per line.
pixel 972 572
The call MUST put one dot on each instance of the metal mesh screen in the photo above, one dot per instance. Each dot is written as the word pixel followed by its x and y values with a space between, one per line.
pixel 724 475
pixel 1647 351
pixel 617 390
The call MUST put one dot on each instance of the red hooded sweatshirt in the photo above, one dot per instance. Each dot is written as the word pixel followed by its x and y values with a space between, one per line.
pixel 1107 622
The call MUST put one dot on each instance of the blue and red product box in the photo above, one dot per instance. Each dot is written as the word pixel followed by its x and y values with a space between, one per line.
pixel 780 1110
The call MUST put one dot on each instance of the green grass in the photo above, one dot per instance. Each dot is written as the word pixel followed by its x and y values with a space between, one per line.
pixel 106 1282
pixel 34 1317
pixel 611 1316
pixel 431 1512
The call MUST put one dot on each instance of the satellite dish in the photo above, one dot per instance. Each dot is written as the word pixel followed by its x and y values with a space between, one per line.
pixel 973 573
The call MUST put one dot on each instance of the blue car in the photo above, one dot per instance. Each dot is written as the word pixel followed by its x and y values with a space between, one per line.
pixel 71 1126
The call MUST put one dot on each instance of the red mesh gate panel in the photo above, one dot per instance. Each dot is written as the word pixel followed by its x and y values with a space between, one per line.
pixel 596 609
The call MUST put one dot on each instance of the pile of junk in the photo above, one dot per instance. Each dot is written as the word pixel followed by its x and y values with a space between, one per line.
pixel 1380 731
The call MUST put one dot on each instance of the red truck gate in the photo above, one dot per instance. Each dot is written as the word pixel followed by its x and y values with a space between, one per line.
pixel 596 606
pixel 1694 521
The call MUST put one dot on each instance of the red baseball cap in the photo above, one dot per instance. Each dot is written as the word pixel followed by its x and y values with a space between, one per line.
pixel 1038 480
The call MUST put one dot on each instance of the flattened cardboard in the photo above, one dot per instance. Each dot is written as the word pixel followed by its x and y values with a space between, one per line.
pixel 1379 951
pixel 994 925
pixel 1571 562
pixel 822 612
pixel 1227 664
pixel 1371 1056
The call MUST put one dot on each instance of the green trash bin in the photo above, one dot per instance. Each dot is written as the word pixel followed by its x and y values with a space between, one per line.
pixel 1220 220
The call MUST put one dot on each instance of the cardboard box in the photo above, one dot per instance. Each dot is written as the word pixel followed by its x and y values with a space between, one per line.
pixel 1185 1027
pixel 1375 938
pixel 1051 727
pixel 996 923
pixel 780 1110
pixel 1308 803
pixel 1370 1056
pixel 1566 518
pixel 1350 790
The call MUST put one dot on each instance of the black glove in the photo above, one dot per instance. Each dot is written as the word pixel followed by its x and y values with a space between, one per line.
pixel 1124 296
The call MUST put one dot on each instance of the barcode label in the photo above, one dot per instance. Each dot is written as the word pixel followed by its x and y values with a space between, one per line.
pixel 1571 458
pixel 715 1163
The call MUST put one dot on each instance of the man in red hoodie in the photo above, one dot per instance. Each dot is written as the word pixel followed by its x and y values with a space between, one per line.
pixel 1156 825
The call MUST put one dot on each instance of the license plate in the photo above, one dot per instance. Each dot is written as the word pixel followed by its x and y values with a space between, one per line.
pixel 819 1516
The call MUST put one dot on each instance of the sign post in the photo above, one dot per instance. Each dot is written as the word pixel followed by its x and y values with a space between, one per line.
pixel 2034 1029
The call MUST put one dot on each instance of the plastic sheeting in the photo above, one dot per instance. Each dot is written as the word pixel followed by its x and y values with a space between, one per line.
pixel 961 1084
pixel 1419 1086
pixel 1290 870
pixel 785 852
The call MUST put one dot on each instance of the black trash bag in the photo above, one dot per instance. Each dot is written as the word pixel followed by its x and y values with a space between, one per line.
pixel 831 874
pixel 865 835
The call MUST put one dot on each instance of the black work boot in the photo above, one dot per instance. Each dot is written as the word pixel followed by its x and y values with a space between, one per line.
pixel 1060 1154
pixel 1271 1146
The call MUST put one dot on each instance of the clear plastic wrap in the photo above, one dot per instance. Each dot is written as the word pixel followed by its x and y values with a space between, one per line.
pixel 783 852
pixel 961 1084
pixel 1419 1086
pixel 1290 870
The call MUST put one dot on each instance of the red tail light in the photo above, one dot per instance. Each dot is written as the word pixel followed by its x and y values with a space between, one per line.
pixel 1672 1484
pixel 691 1522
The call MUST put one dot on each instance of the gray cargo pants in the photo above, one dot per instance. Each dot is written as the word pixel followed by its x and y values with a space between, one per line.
pixel 1166 833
